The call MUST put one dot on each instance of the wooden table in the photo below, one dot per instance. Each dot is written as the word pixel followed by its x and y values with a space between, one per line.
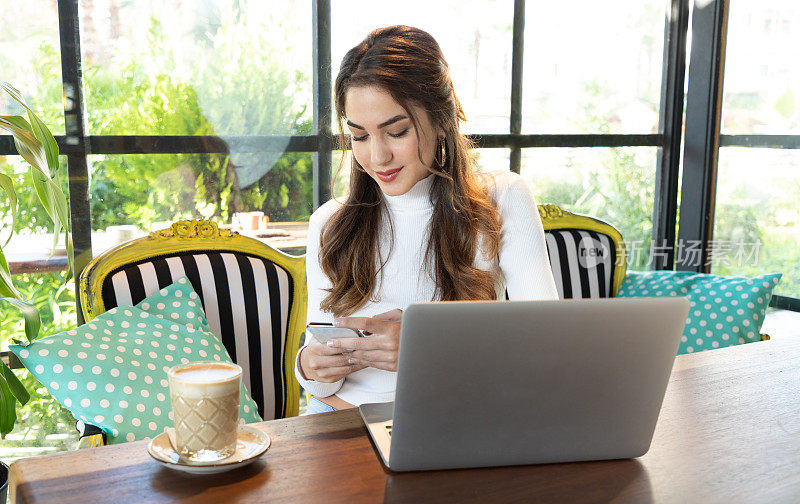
pixel 729 431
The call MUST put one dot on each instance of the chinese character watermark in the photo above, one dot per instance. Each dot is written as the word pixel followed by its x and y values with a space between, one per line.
pixel 730 253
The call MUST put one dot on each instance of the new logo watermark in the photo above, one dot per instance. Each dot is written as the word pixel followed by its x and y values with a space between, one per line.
pixel 592 252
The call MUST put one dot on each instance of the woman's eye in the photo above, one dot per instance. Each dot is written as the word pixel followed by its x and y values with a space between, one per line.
pixel 359 138
pixel 398 135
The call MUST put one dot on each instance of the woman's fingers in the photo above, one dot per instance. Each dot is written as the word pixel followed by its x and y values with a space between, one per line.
pixel 336 345
pixel 318 348
pixel 352 322
pixel 333 374
pixel 322 363
pixel 380 349
pixel 387 365
pixel 386 343
pixel 335 349
pixel 395 315
pixel 333 368
pixel 372 356
pixel 368 324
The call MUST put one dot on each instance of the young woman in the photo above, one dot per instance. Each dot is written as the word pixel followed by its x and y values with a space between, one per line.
pixel 417 225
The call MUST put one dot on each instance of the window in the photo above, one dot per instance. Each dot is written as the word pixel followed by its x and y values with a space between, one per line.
pixel 230 69
pixel 209 110
pixel 475 37
pixel 612 184
pixel 602 84
pixel 756 219
pixel 30 56
pixel 198 68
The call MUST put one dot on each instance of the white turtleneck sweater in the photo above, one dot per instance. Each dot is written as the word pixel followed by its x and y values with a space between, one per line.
pixel 523 267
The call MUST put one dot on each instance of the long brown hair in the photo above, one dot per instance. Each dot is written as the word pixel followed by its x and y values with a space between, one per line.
pixel 408 64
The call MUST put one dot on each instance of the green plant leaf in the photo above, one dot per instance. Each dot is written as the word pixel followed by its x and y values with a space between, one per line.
pixel 59 202
pixel 32 152
pixel 49 144
pixel 23 133
pixel 31 315
pixel 39 180
pixel 14 92
pixel 56 234
pixel 25 141
pixel 8 408
pixel 36 144
pixel 38 128
pixel 61 220
pixel 7 184
pixel 7 288
pixel 35 153
pixel 17 388
pixel 17 125
pixel 70 257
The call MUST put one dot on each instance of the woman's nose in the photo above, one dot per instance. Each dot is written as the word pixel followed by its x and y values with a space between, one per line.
pixel 380 153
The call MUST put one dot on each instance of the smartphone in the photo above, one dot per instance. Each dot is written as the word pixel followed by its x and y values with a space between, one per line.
pixel 324 331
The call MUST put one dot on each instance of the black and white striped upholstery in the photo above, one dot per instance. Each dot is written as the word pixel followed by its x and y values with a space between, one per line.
pixel 247 301
pixel 576 277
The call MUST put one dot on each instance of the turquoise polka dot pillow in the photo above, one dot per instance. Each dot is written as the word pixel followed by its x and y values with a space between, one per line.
pixel 723 311
pixel 111 372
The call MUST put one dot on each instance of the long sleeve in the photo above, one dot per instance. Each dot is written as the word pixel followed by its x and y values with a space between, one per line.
pixel 522 267
pixel 317 282
pixel 523 253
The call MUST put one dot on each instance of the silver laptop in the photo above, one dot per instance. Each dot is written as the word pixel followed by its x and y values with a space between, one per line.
pixel 526 382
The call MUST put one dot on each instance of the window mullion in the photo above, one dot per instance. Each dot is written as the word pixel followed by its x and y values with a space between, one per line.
pixel 322 85
pixel 75 136
pixel 518 41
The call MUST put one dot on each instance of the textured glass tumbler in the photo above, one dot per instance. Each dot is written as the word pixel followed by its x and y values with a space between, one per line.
pixel 205 407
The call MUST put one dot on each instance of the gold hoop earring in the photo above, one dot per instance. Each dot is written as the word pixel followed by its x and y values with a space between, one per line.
pixel 442 154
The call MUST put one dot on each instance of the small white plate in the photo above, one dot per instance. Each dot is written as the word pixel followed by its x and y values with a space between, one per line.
pixel 251 443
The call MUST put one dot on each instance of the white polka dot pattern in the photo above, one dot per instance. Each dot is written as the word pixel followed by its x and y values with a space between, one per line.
pixel 91 383
pixel 716 317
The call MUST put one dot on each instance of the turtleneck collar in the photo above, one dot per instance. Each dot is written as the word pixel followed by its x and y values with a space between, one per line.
pixel 417 198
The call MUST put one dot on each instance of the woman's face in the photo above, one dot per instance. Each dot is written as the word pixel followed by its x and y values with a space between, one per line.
pixel 385 140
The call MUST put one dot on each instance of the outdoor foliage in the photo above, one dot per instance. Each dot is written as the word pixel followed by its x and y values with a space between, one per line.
pixel 238 91
pixel 38 148
pixel 242 91
pixel 42 415
pixel 616 186
pixel 765 248
pixel 620 193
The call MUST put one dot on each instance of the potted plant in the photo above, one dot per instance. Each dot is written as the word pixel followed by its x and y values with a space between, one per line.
pixel 38 148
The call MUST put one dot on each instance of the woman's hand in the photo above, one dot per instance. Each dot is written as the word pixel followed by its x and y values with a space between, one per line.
pixel 379 350
pixel 324 364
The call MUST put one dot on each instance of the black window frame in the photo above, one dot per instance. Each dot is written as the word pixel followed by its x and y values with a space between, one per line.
pixel 701 140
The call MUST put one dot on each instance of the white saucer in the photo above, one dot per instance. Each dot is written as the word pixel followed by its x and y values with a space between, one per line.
pixel 250 444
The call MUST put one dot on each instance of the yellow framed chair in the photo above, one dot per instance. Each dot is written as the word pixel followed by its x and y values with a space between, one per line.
pixel 587 255
pixel 254 297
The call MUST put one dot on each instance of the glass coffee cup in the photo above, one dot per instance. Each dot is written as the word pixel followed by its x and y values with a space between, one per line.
pixel 205 407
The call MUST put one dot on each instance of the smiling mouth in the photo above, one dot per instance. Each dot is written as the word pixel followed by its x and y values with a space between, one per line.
pixel 388 175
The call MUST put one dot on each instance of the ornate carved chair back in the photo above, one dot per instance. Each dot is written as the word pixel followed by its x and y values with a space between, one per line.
pixel 587 255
